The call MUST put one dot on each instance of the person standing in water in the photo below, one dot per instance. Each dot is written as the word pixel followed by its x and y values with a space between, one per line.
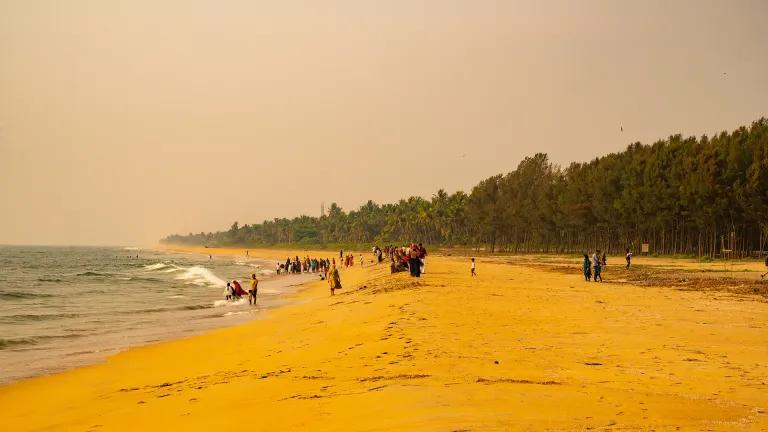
pixel 472 268
pixel 228 291
pixel 334 281
pixel 238 289
pixel 254 290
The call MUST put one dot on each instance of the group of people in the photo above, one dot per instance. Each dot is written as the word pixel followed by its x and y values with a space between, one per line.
pixel 593 266
pixel 349 259
pixel 305 265
pixel 378 254
pixel 325 267
pixel 235 291
pixel 411 258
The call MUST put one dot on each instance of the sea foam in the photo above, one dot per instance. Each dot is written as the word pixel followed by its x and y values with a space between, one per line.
pixel 201 276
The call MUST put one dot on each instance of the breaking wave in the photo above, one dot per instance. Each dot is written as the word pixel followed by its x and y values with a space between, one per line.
pixel 200 276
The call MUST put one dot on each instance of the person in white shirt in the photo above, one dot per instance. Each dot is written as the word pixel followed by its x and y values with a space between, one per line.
pixel 596 266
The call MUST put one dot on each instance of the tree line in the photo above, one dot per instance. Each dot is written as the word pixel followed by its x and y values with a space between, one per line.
pixel 696 196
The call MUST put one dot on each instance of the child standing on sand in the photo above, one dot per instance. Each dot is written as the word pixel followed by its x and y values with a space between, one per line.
pixel 472 268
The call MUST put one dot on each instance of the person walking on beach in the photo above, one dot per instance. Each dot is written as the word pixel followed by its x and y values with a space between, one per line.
pixel 766 267
pixel 334 281
pixel 628 258
pixel 362 260
pixel 414 263
pixel 254 290
pixel 596 265
pixel 604 262
pixel 586 268
pixel 423 258
pixel 472 268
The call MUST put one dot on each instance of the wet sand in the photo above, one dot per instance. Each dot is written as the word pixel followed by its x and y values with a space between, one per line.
pixel 516 348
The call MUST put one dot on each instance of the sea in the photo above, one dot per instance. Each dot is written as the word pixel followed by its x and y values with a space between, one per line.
pixel 62 307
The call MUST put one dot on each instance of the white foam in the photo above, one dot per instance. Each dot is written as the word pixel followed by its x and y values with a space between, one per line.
pixel 234 313
pixel 220 303
pixel 157 266
pixel 131 248
pixel 201 276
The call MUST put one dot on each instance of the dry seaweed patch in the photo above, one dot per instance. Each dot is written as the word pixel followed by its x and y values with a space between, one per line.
pixel 387 283
pixel 686 280
pixel 394 377
pixel 515 381
pixel 696 281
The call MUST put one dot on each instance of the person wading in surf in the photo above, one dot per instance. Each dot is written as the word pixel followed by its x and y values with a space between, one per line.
pixel 254 290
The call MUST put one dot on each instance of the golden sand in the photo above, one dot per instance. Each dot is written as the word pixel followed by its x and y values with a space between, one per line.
pixel 516 348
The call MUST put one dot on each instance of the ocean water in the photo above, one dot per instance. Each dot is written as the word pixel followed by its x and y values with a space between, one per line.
pixel 62 307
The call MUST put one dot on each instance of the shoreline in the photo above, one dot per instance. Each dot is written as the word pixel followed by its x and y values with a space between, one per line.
pixel 515 348
pixel 94 349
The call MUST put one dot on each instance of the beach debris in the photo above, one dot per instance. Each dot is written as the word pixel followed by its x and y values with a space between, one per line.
pixel 515 381
pixel 393 377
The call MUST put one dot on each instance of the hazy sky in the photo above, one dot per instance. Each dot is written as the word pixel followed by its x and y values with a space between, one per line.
pixel 124 121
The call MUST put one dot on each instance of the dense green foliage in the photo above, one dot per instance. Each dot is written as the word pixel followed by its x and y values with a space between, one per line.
pixel 682 195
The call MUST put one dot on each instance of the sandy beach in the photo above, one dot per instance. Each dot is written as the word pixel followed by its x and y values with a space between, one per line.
pixel 517 348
